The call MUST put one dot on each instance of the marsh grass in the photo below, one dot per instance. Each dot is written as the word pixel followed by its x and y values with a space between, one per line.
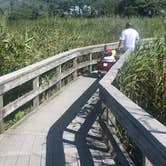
pixel 143 79
pixel 24 42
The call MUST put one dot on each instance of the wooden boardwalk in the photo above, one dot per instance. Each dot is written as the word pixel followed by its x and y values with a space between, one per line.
pixel 62 132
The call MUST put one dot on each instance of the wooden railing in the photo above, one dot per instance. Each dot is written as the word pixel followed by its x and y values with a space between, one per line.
pixel 147 133
pixel 33 74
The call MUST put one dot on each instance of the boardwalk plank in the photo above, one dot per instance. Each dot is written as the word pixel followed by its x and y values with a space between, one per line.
pixel 35 160
pixel 23 160
pixel 2 160
pixel 38 145
pixel 11 143
pixel 43 161
pixel 10 161
pixel 27 145
pixel 31 134
pixel 71 155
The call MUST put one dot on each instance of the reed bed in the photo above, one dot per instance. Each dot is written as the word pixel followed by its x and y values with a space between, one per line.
pixel 23 42
pixel 143 78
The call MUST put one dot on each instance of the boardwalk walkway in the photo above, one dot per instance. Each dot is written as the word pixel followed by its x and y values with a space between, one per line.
pixel 62 132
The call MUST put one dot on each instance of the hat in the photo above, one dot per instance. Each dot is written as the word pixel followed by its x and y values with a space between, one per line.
pixel 109 50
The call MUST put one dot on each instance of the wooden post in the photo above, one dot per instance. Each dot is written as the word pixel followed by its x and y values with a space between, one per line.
pixel 90 59
pixel 100 108
pixel 75 74
pixel 59 77
pixel 35 86
pixel 112 118
pixel 1 114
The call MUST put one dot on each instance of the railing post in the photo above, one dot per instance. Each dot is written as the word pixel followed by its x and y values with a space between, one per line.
pixel 90 59
pixel 75 74
pixel 112 119
pixel 1 114
pixel 104 117
pixel 35 86
pixel 101 109
pixel 59 77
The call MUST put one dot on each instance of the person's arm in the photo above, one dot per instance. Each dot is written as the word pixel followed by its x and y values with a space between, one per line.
pixel 122 37
pixel 120 44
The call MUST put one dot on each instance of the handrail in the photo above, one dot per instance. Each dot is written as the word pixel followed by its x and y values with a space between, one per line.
pixel 148 133
pixel 34 72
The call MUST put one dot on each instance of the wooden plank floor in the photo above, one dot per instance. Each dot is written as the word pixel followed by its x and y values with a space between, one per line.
pixel 62 132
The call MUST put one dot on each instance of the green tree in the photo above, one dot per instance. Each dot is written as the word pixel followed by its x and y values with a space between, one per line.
pixel 147 7
pixel 139 7
pixel 105 7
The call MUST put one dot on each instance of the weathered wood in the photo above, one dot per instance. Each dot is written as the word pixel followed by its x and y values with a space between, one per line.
pixel 88 63
pixel 146 161
pixel 23 75
pixel 75 74
pixel 111 118
pixel 23 160
pixel 14 79
pixel 1 114
pixel 59 75
pixel 148 134
pixel 117 145
pixel 10 160
pixel 90 59
pixel 31 136
pixel 35 87
pixel 145 131
pixel 8 109
pixel 34 71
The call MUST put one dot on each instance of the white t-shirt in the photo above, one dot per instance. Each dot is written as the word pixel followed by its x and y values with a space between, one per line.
pixel 129 37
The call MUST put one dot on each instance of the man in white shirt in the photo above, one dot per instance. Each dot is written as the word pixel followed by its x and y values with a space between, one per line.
pixel 128 37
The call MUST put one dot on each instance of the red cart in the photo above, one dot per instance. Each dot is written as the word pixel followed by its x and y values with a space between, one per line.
pixel 106 61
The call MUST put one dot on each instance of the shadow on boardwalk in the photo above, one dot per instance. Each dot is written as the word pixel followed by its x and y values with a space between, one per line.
pixel 54 145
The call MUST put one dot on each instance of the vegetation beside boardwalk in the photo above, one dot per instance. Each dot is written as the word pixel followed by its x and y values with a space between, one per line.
pixel 24 42
pixel 32 31
pixel 143 78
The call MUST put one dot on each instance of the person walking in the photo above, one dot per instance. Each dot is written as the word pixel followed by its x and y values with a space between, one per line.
pixel 128 37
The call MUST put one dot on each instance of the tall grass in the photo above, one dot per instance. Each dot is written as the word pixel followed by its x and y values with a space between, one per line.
pixel 24 42
pixel 143 78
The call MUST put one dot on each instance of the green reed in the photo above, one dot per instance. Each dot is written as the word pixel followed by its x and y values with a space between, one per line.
pixel 143 78
pixel 24 42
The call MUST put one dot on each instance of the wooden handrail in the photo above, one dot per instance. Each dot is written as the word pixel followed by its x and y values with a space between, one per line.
pixel 148 133
pixel 145 131
pixel 23 75
pixel 34 71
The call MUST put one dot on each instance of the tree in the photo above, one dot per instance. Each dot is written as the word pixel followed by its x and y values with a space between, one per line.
pixel 105 7
pixel 139 7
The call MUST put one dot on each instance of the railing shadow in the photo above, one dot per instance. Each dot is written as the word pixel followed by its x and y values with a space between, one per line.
pixel 54 143
pixel 80 138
